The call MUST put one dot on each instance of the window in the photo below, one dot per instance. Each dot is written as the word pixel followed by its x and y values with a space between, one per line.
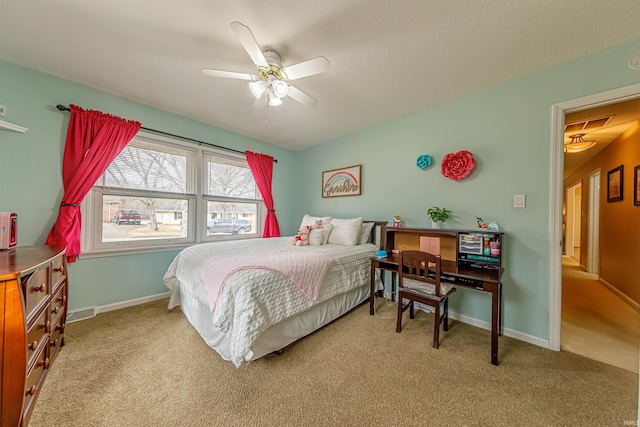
pixel 161 193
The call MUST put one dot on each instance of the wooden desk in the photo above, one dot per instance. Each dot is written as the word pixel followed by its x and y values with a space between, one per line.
pixel 453 271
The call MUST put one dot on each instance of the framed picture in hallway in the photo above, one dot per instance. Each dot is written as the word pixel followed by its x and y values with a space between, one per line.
pixel 614 184
pixel 636 185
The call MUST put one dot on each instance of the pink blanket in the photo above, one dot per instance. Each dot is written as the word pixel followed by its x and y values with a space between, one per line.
pixel 306 271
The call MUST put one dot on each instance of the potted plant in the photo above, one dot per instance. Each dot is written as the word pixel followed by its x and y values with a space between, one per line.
pixel 438 215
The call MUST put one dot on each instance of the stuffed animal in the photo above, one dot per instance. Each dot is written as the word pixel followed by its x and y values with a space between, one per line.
pixel 302 238
pixel 318 224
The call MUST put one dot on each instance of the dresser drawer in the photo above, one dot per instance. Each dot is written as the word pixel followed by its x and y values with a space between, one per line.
pixel 38 332
pixel 58 272
pixel 56 338
pixel 34 382
pixel 36 291
pixel 58 303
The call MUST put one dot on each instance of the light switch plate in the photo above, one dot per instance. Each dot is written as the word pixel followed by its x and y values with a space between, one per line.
pixel 519 201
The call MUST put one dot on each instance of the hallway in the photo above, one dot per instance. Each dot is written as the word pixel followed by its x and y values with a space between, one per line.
pixel 596 323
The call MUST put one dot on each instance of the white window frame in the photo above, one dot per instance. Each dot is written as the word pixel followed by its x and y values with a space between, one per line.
pixel 92 208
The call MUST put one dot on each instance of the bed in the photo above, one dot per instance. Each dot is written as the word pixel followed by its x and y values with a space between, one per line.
pixel 255 309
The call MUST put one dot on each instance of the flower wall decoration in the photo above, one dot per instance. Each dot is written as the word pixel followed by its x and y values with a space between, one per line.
pixel 423 161
pixel 457 166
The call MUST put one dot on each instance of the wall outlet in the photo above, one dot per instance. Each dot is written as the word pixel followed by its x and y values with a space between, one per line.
pixel 3 110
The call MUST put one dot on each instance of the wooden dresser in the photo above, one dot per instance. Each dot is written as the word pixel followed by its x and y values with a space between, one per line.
pixel 33 310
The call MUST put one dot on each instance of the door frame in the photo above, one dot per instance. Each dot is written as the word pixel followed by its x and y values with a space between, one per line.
pixel 570 218
pixel 593 239
pixel 558 112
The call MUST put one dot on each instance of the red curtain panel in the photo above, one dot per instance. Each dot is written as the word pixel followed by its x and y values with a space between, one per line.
pixel 94 140
pixel 261 167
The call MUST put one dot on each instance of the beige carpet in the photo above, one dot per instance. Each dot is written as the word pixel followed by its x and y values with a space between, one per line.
pixel 597 323
pixel 146 366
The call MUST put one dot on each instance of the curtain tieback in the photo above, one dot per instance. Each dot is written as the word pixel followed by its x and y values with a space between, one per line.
pixel 271 210
pixel 69 204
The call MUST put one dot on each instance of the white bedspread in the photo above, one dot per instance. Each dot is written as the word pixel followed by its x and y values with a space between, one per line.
pixel 254 299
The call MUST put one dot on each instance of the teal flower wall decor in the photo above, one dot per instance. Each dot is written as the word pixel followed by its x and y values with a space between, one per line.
pixel 423 161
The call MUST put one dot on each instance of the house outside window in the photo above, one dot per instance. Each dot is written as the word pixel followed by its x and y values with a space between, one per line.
pixel 161 193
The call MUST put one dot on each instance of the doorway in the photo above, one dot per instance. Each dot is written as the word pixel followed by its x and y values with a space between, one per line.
pixel 590 312
pixel 557 194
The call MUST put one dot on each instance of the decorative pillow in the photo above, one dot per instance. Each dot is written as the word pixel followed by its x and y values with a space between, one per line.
pixel 319 236
pixel 311 220
pixel 365 233
pixel 345 231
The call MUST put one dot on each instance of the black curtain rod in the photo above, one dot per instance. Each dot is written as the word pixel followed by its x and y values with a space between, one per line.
pixel 63 108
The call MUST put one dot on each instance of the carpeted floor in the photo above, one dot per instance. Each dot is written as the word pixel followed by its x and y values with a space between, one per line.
pixel 597 323
pixel 146 366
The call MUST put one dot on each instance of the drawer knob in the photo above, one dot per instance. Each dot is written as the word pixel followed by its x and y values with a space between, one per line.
pixel 59 269
pixel 33 345
pixel 63 298
pixel 54 343
pixel 40 288
pixel 48 326
pixel 32 390
pixel 55 310
pixel 47 362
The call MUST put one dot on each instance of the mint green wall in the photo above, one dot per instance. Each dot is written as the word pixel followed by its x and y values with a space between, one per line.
pixel 31 176
pixel 508 130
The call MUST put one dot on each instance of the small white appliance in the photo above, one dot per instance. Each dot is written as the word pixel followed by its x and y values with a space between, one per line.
pixel 8 230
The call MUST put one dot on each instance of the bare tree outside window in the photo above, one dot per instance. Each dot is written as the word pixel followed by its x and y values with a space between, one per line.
pixel 154 181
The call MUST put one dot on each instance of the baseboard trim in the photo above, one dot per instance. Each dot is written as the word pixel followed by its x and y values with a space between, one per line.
pixel 512 333
pixel 487 326
pixel 621 294
pixel 89 312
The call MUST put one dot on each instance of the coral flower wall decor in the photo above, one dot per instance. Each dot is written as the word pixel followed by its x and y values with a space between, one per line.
pixel 457 166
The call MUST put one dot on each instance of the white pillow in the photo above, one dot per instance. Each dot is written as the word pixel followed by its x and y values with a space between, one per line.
pixel 319 236
pixel 365 233
pixel 345 231
pixel 311 220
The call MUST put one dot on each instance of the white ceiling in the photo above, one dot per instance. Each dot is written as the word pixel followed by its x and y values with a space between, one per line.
pixel 388 58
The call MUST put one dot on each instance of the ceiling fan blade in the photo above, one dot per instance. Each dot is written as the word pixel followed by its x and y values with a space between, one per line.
pixel 301 97
pixel 249 43
pixel 228 74
pixel 307 68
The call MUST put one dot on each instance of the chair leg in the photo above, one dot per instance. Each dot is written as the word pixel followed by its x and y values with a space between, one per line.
pixel 399 318
pixel 436 327
pixel 411 313
pixel 446 315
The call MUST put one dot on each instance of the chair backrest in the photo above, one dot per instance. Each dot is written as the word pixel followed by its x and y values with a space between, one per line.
pixel 420 266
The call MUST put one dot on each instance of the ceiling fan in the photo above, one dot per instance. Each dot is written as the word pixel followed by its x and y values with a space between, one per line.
pixel 271 83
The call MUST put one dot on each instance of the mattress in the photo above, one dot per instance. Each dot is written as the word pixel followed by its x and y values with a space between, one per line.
pixel 259 311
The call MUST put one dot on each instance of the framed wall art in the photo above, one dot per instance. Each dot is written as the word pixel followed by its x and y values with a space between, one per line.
pixel 636 185
pixel 342 182
pixel 614 184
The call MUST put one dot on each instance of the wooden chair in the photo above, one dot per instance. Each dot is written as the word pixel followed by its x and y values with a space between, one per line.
pixel 419 280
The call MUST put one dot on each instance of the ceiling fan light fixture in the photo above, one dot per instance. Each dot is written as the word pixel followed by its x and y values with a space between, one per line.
pixel 578 144
pixel 274 101
pixel 280 88
pixel 257 88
